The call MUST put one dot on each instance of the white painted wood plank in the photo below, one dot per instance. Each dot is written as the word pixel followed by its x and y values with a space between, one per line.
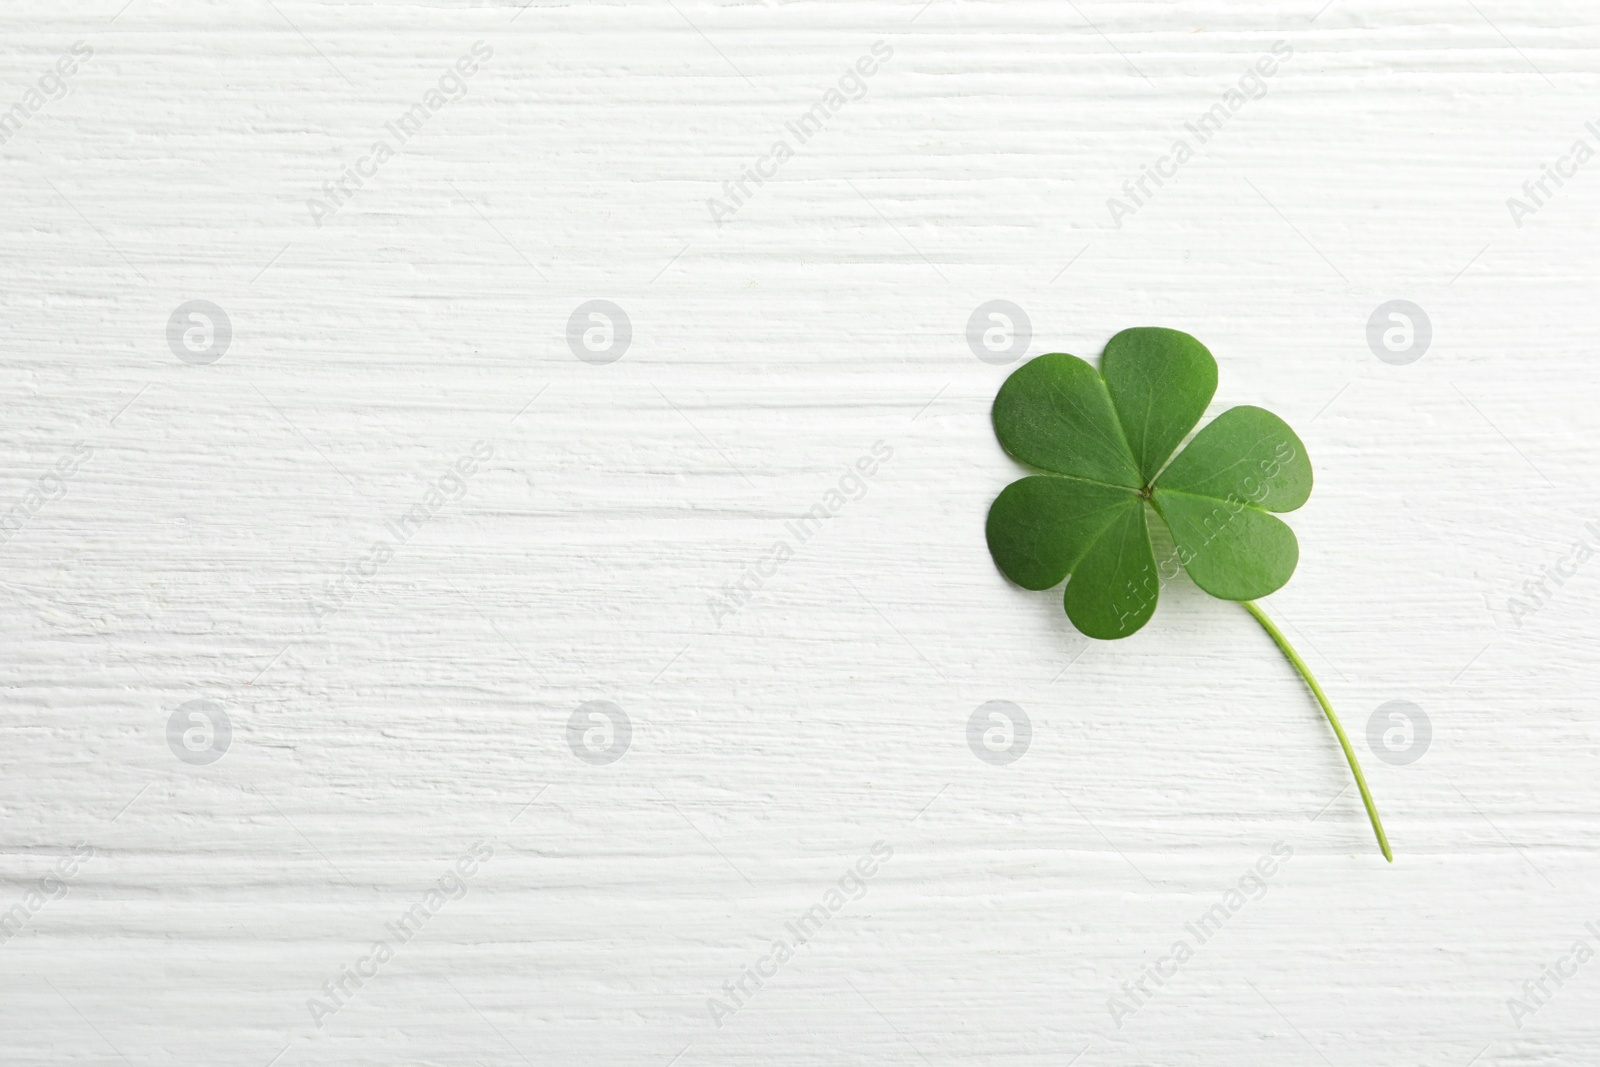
pixel 215 512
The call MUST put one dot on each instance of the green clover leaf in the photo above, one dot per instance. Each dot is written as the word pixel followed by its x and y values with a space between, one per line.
pixel 1105 441
pixel 1106 438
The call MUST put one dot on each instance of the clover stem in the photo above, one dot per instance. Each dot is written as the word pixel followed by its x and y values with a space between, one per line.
pixel 1327 708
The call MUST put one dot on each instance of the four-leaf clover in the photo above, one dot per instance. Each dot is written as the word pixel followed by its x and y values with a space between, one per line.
pixel 1105 438
pixel 1105 441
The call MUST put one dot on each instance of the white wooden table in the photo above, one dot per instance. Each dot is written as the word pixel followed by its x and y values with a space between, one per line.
pixel 308 588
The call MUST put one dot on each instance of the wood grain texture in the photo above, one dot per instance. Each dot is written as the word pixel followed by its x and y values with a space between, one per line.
pixel 209 507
